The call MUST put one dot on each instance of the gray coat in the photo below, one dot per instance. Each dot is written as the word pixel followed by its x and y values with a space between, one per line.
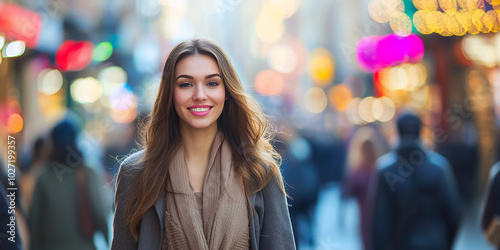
pixel 270 227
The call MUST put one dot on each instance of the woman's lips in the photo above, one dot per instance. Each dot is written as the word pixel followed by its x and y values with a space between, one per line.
pixel 200 110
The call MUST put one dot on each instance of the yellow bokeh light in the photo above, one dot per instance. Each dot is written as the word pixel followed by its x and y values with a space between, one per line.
pixel 269 82
pixel 477 21
pixel 171 13
pixel 488 21
pixel 111 77
pixel 464 19
pixel 365 109
pixel 420 22
pixel 401 24
pixel 352 111
pixel 433 20
pixel 448 6
pixel 383 109
pixel 269 29
pixel 315 100
pixel 86 90
pixel 49 81
pixel 443 25
pixel 428 5
pixel 456 27
pixel 452 26
pixel 421 73
pixel 471 4
pixel 15 123
pixel 321 66
pixel 288 7
pixel 340 96
pixel 496 21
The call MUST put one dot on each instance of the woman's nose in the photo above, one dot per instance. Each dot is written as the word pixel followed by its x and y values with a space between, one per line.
pixel 199 93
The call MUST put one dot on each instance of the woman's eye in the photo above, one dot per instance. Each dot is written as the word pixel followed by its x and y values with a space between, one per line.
pixel 185 84
pixel 212 83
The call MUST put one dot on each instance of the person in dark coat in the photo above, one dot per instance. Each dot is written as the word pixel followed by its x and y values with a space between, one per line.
pixel 416 204
pixel 492 205
pixel 68 206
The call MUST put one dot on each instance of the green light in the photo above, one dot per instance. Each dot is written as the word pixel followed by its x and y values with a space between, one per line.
pixel 103 51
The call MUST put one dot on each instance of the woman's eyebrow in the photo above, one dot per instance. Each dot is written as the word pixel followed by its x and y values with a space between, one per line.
pixel 212 75
pixel 191 77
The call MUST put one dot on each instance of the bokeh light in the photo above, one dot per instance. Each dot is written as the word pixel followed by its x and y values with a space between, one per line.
pixel 428 5
pixel 122 98
pixel 124 116
pixel 111 77
pixel 420 22
pixel 315 100
pixel 269 82
pixel 15 123
pixel 378 52
pixel 2 40
pixel 405 77
pixel 480 50
pixel 383 109
pixel 103 51
pixel 14 49
pixel 74 55
pixel 378 12
pixel 147 55
pixel 448 6
pixel 365 109
pixel 321 66
pixel 123 104
pixel 300 148
pixel 353 111
pixel 172 12
pixel 282 59
pixel 340 96
pixel 401 24
pixel 49 81
pixel 270 25
pixel 86 90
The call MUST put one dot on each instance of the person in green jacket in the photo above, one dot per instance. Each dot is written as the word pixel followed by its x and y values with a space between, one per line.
pixel 67 207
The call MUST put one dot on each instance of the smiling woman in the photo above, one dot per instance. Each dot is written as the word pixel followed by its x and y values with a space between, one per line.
pixel 199 94
pixel 207 177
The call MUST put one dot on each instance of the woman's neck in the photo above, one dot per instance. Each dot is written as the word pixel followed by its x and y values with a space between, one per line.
pixel 197 145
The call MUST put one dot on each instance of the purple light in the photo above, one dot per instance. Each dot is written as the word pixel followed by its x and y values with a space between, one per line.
pixel 377 52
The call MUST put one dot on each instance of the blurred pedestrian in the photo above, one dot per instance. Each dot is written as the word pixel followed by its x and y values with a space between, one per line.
pixel 67 207
pixel 207 177
pixel 29 175
pixel 416 203
pixel 364 149
pixel 302 180
pixel 491 211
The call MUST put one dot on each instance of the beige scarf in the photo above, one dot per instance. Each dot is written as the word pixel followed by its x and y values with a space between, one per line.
pixel 223 224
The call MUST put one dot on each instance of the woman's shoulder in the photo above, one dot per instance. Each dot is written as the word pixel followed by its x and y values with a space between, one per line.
pixel 131 165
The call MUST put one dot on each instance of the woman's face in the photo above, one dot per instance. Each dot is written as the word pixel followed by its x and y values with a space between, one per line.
pixel 199 92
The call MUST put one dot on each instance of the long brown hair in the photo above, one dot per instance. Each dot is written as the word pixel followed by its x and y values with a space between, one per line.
pixel 242 123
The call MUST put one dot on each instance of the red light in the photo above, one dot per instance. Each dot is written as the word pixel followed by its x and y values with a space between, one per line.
pixel 19 23
pixel 74 55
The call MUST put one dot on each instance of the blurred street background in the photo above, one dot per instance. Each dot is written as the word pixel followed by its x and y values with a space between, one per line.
pixel 332 75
